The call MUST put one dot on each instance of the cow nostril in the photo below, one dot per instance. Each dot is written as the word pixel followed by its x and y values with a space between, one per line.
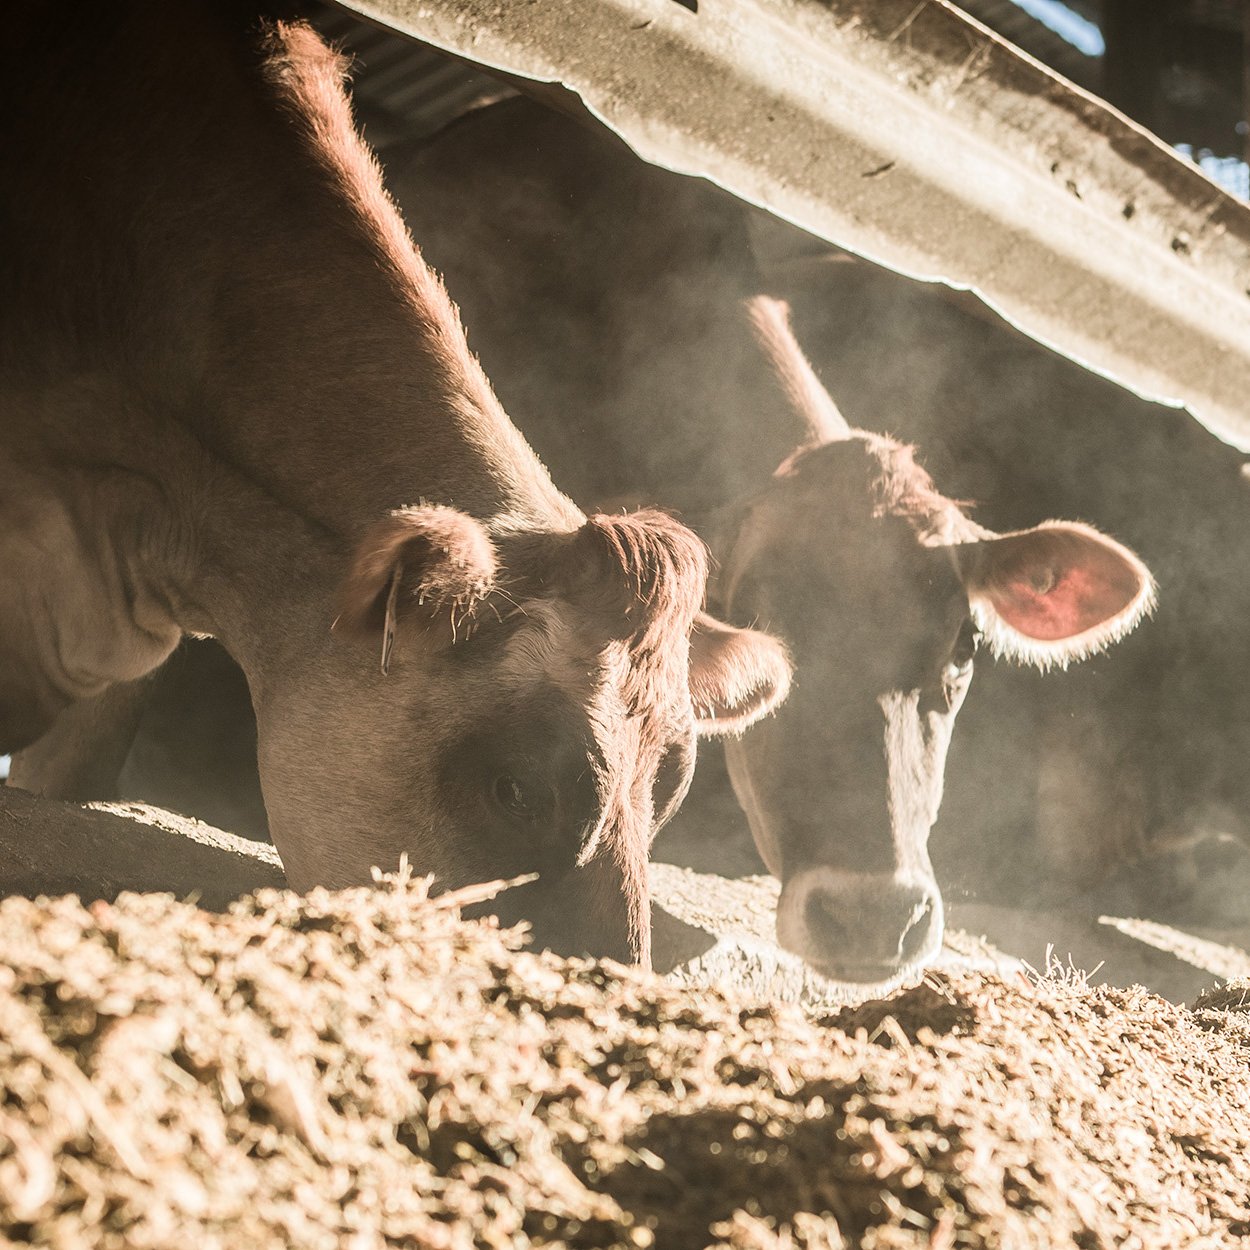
pixel 916 935
pixel 862 928
pixel 825 923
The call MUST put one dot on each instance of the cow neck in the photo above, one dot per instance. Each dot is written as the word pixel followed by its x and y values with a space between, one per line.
pixel 355 394
pixel 142 535
pixel 354 390
pixel 257 283
pixel 264 602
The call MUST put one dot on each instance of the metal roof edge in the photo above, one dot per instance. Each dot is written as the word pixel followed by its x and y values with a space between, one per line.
pixel 911 135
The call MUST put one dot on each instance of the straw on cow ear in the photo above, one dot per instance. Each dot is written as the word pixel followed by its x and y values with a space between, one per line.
pixel 1055 593
pixel 431 561
pixel 736 676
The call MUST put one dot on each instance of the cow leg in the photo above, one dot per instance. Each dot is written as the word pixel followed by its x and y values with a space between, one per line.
pixel 82 755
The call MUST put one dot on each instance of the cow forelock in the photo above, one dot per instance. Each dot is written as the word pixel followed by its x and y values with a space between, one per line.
pixel 879 473
pixel 640 577
pixel 634 694
pixel 561 645
pixel 632 699
pixel 835 492
pixel 613 629
pixel 663 567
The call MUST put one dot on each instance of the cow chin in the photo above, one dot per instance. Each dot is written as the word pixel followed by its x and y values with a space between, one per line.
pixel 862 928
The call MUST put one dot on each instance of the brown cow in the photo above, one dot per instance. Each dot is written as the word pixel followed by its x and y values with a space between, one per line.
pixel 237 403
pixel 638 373
pixel 1104 781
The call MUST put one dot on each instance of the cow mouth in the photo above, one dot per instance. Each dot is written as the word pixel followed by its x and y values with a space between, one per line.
pixel 866 930
pixel 871 977
pixel 581 914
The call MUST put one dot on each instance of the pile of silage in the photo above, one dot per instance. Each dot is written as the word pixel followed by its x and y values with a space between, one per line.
pixel 364 1069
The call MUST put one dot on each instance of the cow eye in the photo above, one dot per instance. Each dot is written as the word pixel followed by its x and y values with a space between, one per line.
pixel 524 799
pixel 966 645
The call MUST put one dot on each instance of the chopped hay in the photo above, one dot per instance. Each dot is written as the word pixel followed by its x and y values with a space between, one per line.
pixel 364 1069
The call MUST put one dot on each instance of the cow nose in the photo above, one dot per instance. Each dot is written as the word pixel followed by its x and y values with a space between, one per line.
pixel 861 927
pixel 840 931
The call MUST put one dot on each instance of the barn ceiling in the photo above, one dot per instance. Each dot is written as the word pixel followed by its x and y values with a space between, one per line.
pixel 909 134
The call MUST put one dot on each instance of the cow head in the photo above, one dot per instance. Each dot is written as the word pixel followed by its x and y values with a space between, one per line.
pixel 510 702
pixel 884 592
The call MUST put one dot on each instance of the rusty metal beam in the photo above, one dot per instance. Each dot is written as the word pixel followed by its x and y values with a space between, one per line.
pixel 907 133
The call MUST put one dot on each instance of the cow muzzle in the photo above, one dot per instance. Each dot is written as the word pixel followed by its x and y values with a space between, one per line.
pixel 587 913
pixel 866 928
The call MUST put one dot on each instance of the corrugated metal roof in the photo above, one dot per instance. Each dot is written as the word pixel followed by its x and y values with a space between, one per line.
pixel 899 131
pixel 1008 19
pixel 404 91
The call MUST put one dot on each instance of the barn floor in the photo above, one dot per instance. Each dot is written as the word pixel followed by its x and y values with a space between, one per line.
pixel 365 1070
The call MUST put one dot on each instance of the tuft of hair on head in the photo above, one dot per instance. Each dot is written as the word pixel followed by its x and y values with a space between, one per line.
pixel 804 391
pixel 660 564
pixel 1055 594
pixel 639 574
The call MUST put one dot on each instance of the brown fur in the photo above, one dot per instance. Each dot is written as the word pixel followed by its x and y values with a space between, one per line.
pixel 643 571
pixel 444 562
pixel 898 486
pixel 308 80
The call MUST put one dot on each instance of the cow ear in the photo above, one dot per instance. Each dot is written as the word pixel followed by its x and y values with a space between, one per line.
pixel 1055 593
pixel 429 562
pixel 736 676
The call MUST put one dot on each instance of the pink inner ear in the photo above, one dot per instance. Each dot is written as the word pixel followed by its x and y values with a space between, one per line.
pixel 1055 584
